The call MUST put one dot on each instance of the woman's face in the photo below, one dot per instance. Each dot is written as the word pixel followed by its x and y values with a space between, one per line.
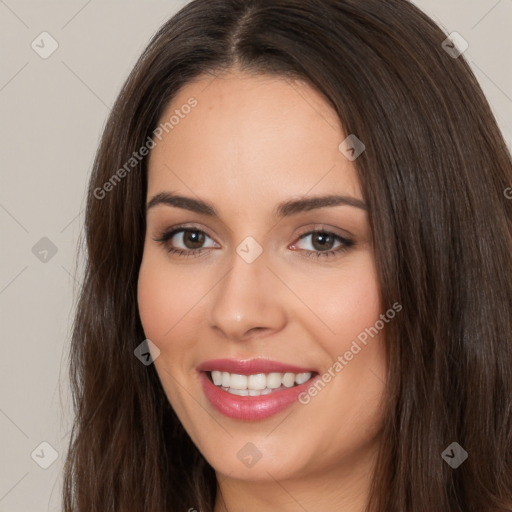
pixel 252 297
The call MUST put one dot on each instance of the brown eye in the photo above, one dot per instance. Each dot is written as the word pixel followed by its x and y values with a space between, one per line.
pixel 322 244
pixel 184 241
pixel 193 239
pixel 322 241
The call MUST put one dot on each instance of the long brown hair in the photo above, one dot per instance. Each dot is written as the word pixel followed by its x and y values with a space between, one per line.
pixel 434 174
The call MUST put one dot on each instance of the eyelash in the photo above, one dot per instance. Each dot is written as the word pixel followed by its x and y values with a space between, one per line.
pixel 168 235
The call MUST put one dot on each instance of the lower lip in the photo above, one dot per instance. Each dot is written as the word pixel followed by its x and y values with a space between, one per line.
pixel 251 408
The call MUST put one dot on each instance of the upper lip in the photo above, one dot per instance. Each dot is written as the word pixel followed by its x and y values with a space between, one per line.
pixel 250 366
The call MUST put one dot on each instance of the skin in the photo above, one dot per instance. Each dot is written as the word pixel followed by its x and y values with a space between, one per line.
pixel 252 142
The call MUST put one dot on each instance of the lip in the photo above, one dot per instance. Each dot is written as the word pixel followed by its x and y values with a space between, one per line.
pixel 251 408
pixel 250 366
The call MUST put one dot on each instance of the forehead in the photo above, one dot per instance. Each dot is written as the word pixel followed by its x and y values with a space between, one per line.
pixel 252 137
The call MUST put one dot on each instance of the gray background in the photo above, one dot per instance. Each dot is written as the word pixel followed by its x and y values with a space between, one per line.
pixel 52 112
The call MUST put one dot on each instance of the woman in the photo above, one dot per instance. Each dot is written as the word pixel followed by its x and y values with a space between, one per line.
pixel 298 289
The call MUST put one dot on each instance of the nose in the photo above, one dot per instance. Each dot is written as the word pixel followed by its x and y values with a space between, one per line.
pixel 248 301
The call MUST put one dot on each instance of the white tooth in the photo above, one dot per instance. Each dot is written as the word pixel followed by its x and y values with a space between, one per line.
pixel 288 379
pixel 254 392
pixel 265 383
pixel 300 378
pixel 240 392
pixel 257 382
pixel 238 381
pixel 274 380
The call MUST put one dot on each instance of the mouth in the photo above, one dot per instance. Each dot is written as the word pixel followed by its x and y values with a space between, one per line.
pixel 253 389
pixel 257 384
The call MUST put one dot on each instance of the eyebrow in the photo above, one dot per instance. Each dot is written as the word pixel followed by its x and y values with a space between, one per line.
pixel 284 209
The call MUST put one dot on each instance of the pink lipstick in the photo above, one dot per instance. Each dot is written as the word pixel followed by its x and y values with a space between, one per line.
pixel 253 389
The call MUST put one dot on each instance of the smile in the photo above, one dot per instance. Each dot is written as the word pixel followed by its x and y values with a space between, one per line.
pixel 254 389
pixel 257 384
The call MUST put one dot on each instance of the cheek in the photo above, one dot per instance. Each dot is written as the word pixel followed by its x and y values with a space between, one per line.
pixel 164 296
pixel 164 300
pixel 169 298
pixel 153 299
pixel 347 301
